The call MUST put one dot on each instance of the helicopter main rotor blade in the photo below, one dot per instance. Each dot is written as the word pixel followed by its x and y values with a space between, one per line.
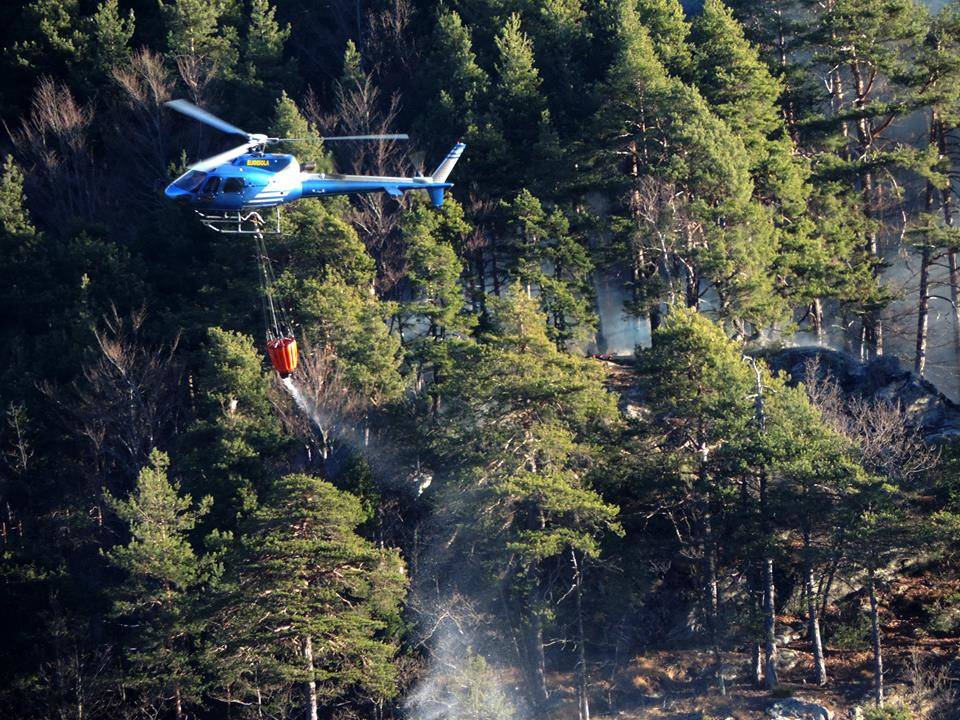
pixel 328 138
pixel 399 136
pixel 211 162
pixel 197 113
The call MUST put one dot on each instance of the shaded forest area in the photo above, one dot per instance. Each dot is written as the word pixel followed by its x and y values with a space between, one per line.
pixel 449 511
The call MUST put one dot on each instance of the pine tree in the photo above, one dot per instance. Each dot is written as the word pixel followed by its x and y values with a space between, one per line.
pixel 312 603
pixel 454 84
pixel 262 48
pixel 110 34
pixel 518 117
pixel 350 323
pixel 552 260
pixel 434 271
pixel 14 219
pixel 815 473
pixel 158 600
pixel 201 41
pixel 700 388
pixel 228 448
pixel 865 48
pixel 289 122
pixel 681 178
pixel 666 22
pixel 513 440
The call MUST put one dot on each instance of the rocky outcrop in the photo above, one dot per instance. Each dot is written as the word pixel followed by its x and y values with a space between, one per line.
pixel 796 709
pixel 884 378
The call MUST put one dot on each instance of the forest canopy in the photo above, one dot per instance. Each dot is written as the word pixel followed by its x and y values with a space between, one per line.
pixel 475 498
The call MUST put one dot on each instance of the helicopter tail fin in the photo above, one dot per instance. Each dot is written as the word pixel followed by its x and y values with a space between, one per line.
pixel 444 169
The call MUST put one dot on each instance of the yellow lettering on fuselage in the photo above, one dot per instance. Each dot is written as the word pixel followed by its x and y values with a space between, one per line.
pixel 259 163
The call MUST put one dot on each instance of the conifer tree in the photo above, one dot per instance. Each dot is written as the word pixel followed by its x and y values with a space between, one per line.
pixel 434 271
pixel 312 603
pixel 454 83
pixel 350 323
pixel 514 439
pixel 200 40
pixel 698 380
pixel 262 48
pixel 864 49
pixel 108 46
pixel 666 22
pixel 158 602
pixel 552 260
pixel 288 121
pixel 228 448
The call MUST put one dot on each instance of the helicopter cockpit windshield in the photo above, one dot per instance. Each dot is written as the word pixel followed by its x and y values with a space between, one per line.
pixel 191 181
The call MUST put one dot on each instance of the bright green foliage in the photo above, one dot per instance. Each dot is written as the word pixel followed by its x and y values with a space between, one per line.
pixel 158 602
pixel 741 90
pixel 454 83
pixel 316 239
pixel 262 47
pixel 304 572
pixel 109 37
pixel 672 164
pixel 237 431
pixel 552 260
pixel 731 77
pixel 353 74
pixel 434 269
pixel 811 466
pixel 666 22
pixel 701 381
pixel 14 219
pixel 51 34
pixel 514 436
pixel 518 81
pixel 289 122
pixel 196 30
pixel 350 323
pixel 518 119
pixel 520 402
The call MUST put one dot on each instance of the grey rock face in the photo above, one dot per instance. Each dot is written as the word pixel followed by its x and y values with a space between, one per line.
pixel 882 379
pixel 796 709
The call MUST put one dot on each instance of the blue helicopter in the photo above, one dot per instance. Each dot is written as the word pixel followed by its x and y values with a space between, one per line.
pixel 229 190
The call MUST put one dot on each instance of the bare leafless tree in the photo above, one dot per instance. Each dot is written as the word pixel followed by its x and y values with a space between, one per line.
pixel 360 108
pixel 888 440
pixel 126 402
pixel 53 142
pixel 146 85
pixel 325 409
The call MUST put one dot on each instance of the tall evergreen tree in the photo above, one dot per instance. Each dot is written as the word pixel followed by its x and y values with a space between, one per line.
pixel 158 602
pixel 312 603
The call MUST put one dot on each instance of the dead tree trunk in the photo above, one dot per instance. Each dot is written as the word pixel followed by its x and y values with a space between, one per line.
pixel 813 621
pixel 769 625
pixel 311 685
pixel 582 682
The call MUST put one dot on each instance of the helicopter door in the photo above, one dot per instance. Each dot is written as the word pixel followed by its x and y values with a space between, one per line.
pixel 211 186
pixel 233 185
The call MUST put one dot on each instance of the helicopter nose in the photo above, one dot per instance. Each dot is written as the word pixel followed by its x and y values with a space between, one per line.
pixel 175 193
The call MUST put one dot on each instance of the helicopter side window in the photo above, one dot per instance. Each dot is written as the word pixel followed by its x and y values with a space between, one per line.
pixel 233 185
pixel 210 187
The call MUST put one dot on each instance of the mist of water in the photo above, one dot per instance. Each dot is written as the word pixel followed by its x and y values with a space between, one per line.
pixel 457 683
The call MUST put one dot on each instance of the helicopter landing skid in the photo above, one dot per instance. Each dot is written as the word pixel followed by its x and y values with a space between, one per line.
pixel 239 223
